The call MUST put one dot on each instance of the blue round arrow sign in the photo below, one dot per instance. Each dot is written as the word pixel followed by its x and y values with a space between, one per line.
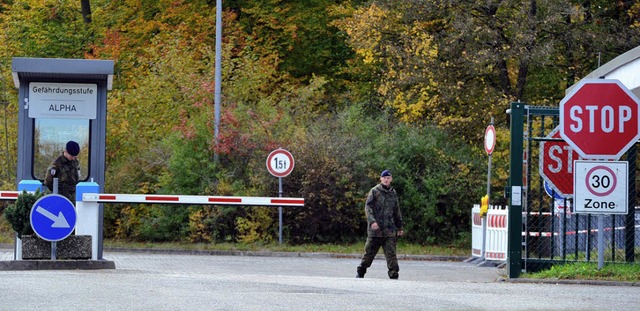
pixel 53 217
pixel 549 191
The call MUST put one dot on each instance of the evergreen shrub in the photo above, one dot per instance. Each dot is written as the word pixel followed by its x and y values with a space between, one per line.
pixel 18 214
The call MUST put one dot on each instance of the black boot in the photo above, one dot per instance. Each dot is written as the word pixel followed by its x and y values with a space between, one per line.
pixel 360 273
pixel 393 275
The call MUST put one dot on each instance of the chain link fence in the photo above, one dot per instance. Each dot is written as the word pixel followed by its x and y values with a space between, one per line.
pixel 552 231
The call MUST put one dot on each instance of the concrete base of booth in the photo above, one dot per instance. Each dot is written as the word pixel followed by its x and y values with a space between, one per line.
pixel 72 247
pixel 14 265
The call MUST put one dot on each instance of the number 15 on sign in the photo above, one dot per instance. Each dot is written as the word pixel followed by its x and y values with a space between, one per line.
pixel 601 187
pixel 280 163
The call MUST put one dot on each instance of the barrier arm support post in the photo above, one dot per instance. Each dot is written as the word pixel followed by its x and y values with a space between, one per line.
pixel 88 213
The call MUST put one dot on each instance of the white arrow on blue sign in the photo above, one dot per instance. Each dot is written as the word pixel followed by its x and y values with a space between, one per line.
pixel 53 217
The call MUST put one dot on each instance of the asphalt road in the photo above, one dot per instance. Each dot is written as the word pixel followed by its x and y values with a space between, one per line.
pixel 144 281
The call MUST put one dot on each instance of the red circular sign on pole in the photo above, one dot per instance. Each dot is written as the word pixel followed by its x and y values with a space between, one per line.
pixel 556 164
pixel 280 163
pixel 489 139
pixel 599 119
pixel 608 181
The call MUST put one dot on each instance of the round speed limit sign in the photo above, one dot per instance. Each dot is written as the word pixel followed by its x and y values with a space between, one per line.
pixel 489 139
pixel 601 187
pixel 280 163
pixel 601 180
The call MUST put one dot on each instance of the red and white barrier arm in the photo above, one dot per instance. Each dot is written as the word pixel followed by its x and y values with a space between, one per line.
pixel 176 199
pixel 9 195
pixel 190 199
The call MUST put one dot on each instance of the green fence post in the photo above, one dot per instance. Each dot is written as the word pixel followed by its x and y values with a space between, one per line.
pixel 514 240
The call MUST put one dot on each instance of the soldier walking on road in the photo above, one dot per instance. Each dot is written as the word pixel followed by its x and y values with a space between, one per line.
pixel 384 223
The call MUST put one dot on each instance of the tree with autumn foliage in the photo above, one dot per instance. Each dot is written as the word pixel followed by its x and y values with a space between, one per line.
pixel 349 87
pixel 456 63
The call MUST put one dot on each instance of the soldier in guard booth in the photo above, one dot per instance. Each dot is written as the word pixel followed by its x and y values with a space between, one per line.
pixel 66 168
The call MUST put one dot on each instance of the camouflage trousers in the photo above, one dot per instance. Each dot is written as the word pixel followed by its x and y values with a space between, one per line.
pixel 371 248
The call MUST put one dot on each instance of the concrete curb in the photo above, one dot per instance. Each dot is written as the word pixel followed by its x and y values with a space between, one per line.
pixel 572 282
pixel 19 265
pixel 278 254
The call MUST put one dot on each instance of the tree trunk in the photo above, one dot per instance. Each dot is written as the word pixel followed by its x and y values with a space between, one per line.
pixel 86 11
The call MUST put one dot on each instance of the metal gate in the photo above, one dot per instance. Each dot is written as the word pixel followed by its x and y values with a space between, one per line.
pixel 543 211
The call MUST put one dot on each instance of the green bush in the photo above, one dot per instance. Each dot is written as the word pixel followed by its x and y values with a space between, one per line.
pixel 341 159
pixel 18 214
pixel 436 179
pixel 338 159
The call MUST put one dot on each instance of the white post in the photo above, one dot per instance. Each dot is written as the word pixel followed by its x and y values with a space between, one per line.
pixel 88 216
pixel 17 254
pixel 87 223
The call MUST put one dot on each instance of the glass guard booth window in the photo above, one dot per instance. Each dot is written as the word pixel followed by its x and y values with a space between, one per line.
pixel 50 139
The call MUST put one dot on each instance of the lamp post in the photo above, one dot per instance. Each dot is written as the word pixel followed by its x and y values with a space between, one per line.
pixel 218 76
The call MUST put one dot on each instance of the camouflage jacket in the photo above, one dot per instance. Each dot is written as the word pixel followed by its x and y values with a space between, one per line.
pixel 382 206
pixel 68 174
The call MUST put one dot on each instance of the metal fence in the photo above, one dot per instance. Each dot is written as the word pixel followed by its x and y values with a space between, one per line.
pixel 552 232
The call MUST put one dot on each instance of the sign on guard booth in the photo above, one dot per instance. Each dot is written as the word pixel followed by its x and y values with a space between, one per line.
pixel 63 100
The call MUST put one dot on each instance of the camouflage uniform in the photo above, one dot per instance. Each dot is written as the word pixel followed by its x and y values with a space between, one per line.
pixel 382 207
pixel 68 173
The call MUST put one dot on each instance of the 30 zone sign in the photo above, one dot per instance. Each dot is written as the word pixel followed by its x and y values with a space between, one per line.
pixel 280 163
pixel 601 187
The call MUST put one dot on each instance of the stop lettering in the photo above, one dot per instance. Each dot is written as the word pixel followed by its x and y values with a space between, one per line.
pixel 606 118
pixel 556 164
pixel 598 111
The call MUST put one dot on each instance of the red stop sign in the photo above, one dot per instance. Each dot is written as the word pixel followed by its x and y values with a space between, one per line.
pixel 599 119
pixel 556 164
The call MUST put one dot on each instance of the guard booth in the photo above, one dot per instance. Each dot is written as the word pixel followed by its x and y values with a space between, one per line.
pixel 62 100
